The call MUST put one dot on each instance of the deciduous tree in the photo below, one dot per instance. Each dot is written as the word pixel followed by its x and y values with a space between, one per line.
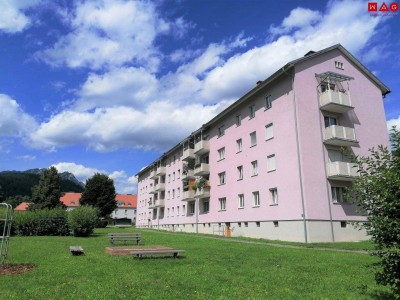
pixel 100 193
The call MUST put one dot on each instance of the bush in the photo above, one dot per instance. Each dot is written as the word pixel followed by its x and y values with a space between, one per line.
pixel 101 223
pixel 82 220
pixel 41 222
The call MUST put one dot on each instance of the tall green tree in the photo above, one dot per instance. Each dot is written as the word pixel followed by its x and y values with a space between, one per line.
pixel 47 193
pixel 377 192
pixel 2 197
pixel 100 193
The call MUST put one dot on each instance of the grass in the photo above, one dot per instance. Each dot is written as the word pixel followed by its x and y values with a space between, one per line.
pixel 210 269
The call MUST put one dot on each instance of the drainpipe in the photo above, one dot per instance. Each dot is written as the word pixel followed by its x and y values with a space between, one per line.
pixel 298 158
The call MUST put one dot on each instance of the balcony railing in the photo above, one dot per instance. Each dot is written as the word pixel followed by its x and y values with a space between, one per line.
pixel 340 136
pixel 201 147
pixel 188 195
pixel 188 174
pixel 335 101
pixel 160 203
pixel 188 154
pixel 152 204
pixel 203 169
pixel 160 171
pixel 203 192
pixel 160 187
pixel 152 190
pixel 340 170
pixel 153 174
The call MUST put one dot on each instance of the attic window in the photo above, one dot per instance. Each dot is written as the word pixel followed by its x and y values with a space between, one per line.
pixel 129 204
pixel 338 65
pixel 72 202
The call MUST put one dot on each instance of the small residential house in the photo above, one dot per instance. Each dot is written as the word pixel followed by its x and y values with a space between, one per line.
pixel 22 206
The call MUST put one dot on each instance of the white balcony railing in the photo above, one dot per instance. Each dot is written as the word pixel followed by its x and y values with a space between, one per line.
pixel 160 203
pixel 188 154
pixel 153 174
pixel 203 192
pixel 340 170
pixel 160 187
pixel 188 174
pixel 188 195
pixel 160 171
pixel 335 101
pixel 340 136
pixel 203 169
pixel 201 147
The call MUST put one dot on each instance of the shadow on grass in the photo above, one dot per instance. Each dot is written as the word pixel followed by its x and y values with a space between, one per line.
pixel 159 257
pixel 381 295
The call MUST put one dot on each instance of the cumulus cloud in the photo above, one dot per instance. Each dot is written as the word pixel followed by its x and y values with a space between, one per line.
pixel 393 122
pixel 122 182
pixel 12 15
pixel 14 122
pixel 111 33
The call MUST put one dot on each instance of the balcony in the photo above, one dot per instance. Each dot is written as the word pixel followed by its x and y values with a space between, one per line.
pixel 189 174
pixel 152 190
pixel 335 101
pixel 203 169
pixel 340 136
pixel 160 171
pixel 153 174
pixel 159 187
pixel 152 204
pixel 160 203
pixel 203 192
pixel 188 154
pixel 188 195
pixel 201 147
pixel 340 170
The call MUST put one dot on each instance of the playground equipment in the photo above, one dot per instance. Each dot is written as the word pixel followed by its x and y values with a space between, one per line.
pixel 6 211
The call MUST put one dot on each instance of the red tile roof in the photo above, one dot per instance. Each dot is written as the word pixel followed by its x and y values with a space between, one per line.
pixel 71 199
pixel 23 206
pixel 126 201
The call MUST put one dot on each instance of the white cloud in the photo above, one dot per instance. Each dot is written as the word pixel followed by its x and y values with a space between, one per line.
pixel 26 157
pixel 12 15
pixel 14 122
pixel 110 33
pixel 393 122
pixel 122 182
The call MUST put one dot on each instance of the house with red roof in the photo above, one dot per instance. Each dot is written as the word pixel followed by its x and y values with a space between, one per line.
pixel 22 206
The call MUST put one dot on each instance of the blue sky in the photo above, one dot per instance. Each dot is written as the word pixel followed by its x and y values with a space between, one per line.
pixel 108 86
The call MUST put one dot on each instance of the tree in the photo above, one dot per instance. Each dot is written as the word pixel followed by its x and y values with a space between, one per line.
pixel 48 192
pixel 14 201
pixel 100 193
pixel 377 192
pixel 2 197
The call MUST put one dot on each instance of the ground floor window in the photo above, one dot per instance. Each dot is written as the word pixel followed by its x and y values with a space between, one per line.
pixel 222 203
pixel 191 208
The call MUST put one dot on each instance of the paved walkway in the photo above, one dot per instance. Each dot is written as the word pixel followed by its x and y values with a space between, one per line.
pixel 234 240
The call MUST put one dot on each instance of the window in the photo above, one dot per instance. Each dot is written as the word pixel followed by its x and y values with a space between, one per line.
pixel 276 224
pixel 173 194
pixel 253 139
pixel 173 176
pixel 274 195
pixel 343 224
pixel 206 207
pixel 338 65
pixel 169 194
pixel 258 224
pixel 178 192
pixel 222 179
pixel 240 172
pixel 327 86
pixel 254 168
pixel 239 145
pixel 169 178
pixel 256 199
pixel 329 121
pixel 221 130
pixel 191 208
pixel 268 102
pixel 337 194
pixel 252 111
pixel 222 203
pixel 238 120
pixel 241 200
pixel 173 212
pixel 179 174
pixel 177 211
pixel 269 131
pixel 271 164
pixel 221 153
pixel 183 210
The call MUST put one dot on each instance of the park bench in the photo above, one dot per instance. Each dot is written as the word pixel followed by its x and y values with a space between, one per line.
pixel 125 237
pixel 76 250
pixel 140 253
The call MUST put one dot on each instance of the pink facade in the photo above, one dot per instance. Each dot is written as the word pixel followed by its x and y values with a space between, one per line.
pixel 271 162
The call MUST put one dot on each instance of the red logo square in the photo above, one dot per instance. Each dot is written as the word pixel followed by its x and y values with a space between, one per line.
pixel 372 6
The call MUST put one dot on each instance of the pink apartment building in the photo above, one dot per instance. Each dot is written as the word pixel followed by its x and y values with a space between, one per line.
pixel 270 166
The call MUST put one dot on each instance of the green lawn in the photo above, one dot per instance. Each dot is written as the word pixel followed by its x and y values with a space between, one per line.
pixel 210 269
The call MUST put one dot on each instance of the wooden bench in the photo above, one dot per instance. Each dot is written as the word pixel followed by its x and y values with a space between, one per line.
pixel 76 250
pixel 125 237
pixel 140 253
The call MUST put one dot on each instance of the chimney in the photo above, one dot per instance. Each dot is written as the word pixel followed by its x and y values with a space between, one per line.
pixel 258 82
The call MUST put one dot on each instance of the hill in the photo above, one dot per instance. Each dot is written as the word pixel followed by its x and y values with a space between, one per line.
pixel 15 183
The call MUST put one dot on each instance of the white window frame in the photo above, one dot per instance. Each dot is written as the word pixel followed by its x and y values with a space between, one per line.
pixel 240 172
pixel 253 139
pixel 252 111
pixel 222 204
pixel 274 196
pixel 241 201
pixel 238 120
pixel 337 194
pixel 221 130
pixel 269 131
pixel 268 102
pixel 254 168
pixel 271 163
pixel 239 145
pixel 222 178
pixel 221 153
pixel 256 199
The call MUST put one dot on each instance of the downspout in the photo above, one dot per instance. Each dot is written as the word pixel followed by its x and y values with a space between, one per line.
pixel 298 158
